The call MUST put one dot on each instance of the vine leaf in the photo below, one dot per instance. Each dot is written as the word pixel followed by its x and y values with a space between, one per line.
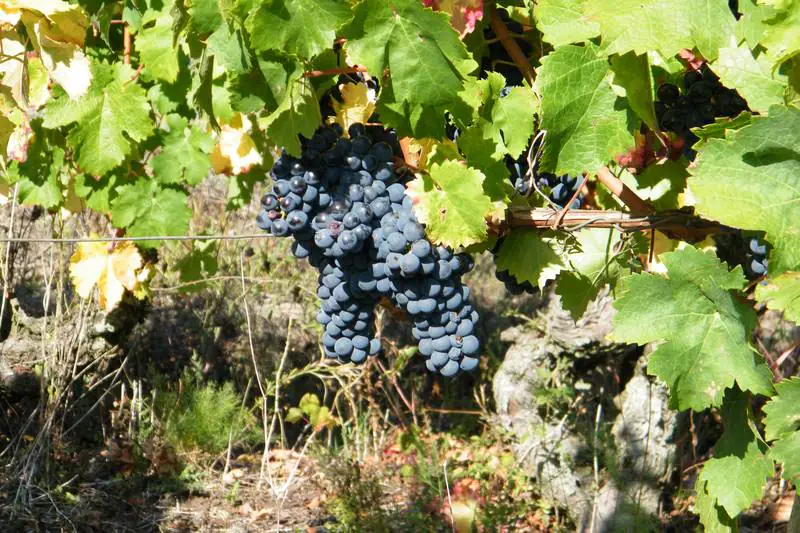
pixel 782 425
pixel 528 255
pixel 757 169
pixel 206 15
pixel 184 157
pixel 632 73
pixel 593 265
pixel 156 50
pixel 113 272
pixel 752 77
pixel 585 126
pixel 229 48
pixel 563 22
pixel 57 30
pixel 145 208
pixel 781 37
pixel 703 327
pixel 236 152
pixel 39 177
pixel 451 202
pixel 298 27
pixel 112 112
pixel 736 475
pixel 297 114
pixel 199 264
pixel 508 120
pixel 782 293
pixel 666 26
pixel 422 51
pixel 661 183
pixel 357 105
pixel 782 413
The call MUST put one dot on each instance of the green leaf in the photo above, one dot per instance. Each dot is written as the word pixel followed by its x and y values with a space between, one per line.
pixel 757 170
pixel 156 50
pixel 786 452
pixel 483 153
pixel 783 410
pixel 298 114
pixel 666 26
pixel 201 263
pixel 585 125
pixel 721 125
pixel 206 15
pixel 451 202
pixel 113 113
pixel 712 516
pixel 39 177
pixel 409 121
pixel 96 192
pixel 147 209
pixel 593 263
pixel 184 156
pixel 660 183
pixel 703 327
pixel 782 293
pixel 738 69
pixel 425 57
pixel 240 187
pixel 563 22
pixel 298 27
pixel 229 48
pixel 507 120
pixel 513 115
pixel 294 415
pixel 309 404
pixel 751 27
pixel 632 73
pixel 782 36
pixel 528 255
pixel 204 92
pixel 735 477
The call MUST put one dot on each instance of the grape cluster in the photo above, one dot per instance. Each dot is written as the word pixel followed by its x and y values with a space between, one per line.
pixel 346 207
pixel 561 189
pixel 745 249
pixel 703 98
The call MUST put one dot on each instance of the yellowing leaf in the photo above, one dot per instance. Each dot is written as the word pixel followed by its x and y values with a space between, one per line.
pixel 58 30
pixel 112 272
pixel 235 152
pixel 357 105
pixel 72 202
pixel 20 141
pixel 13 79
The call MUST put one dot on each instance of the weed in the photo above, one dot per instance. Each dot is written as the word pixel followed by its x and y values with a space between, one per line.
pixel 204 417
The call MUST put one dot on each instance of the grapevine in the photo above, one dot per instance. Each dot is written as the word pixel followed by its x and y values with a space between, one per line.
pixel 582 145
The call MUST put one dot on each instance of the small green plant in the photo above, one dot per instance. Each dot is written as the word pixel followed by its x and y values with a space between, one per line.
pixel 356 498
pixel 310 410
pixel 204 417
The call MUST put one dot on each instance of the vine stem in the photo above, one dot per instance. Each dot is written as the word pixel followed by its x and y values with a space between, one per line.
pixel 691 227
pixel 334 71
pixel 127 45
pixel 511 46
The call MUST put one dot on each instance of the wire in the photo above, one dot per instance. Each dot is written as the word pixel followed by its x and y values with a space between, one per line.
pixel 76 240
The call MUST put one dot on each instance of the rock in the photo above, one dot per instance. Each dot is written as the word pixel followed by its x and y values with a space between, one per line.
pixel 559 446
